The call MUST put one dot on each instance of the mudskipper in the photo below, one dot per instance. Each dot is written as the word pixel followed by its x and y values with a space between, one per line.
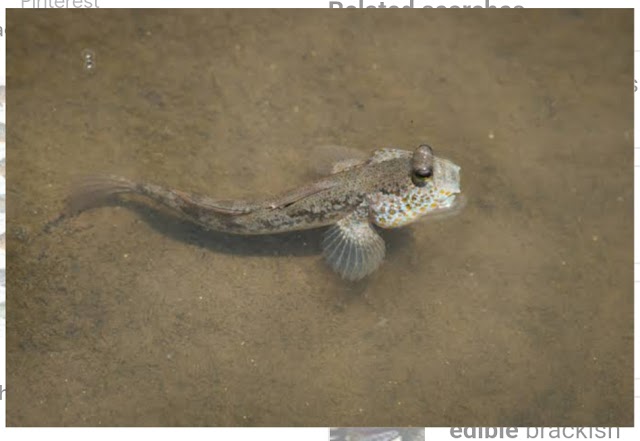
pixel 389 189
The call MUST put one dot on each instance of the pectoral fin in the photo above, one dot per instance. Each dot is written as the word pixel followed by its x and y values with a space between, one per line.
pixel 353 248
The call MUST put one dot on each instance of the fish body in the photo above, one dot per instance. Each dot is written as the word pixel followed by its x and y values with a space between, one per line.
pixel 390 189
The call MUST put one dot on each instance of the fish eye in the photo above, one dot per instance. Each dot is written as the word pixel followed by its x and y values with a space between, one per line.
pixel 424 173
pixel 421 176
pixel 422 165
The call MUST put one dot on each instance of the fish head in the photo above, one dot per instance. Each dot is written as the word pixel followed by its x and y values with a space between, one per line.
pixel 430 185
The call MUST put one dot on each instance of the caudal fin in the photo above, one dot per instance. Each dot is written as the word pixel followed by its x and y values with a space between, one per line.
pixel 94 191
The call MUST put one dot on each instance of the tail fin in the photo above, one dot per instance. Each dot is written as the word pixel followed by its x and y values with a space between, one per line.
pixel 93 191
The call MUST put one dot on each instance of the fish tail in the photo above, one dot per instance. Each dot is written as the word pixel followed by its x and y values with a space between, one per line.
pixel 97 191
pixel 228 216
pixel 94 191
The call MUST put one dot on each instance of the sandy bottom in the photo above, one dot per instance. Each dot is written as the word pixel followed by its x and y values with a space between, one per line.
pixel 518 311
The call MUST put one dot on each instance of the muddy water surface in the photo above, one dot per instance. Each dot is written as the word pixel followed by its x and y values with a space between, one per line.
pixel 516 312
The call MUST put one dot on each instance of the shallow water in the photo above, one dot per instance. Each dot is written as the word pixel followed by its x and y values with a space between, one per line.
pixel 518 311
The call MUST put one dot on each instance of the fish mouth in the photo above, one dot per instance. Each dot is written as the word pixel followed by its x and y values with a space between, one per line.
pixel 447 176
pixel 458 203
pixel 453 206
pixel 453 202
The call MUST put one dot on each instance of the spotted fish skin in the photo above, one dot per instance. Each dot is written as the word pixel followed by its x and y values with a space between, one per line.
pixel 400 209
pixel 390 189
pixel 403 204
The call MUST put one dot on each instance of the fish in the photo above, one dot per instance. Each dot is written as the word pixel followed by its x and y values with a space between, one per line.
pixel 355 199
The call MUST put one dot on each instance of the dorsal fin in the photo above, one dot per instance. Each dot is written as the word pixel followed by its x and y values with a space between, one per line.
pixel 331 159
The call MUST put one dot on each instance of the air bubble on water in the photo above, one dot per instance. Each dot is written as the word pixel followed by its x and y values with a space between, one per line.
pixel 89 60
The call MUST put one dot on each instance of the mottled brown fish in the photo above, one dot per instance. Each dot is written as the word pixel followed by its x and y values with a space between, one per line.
pixel 390 189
